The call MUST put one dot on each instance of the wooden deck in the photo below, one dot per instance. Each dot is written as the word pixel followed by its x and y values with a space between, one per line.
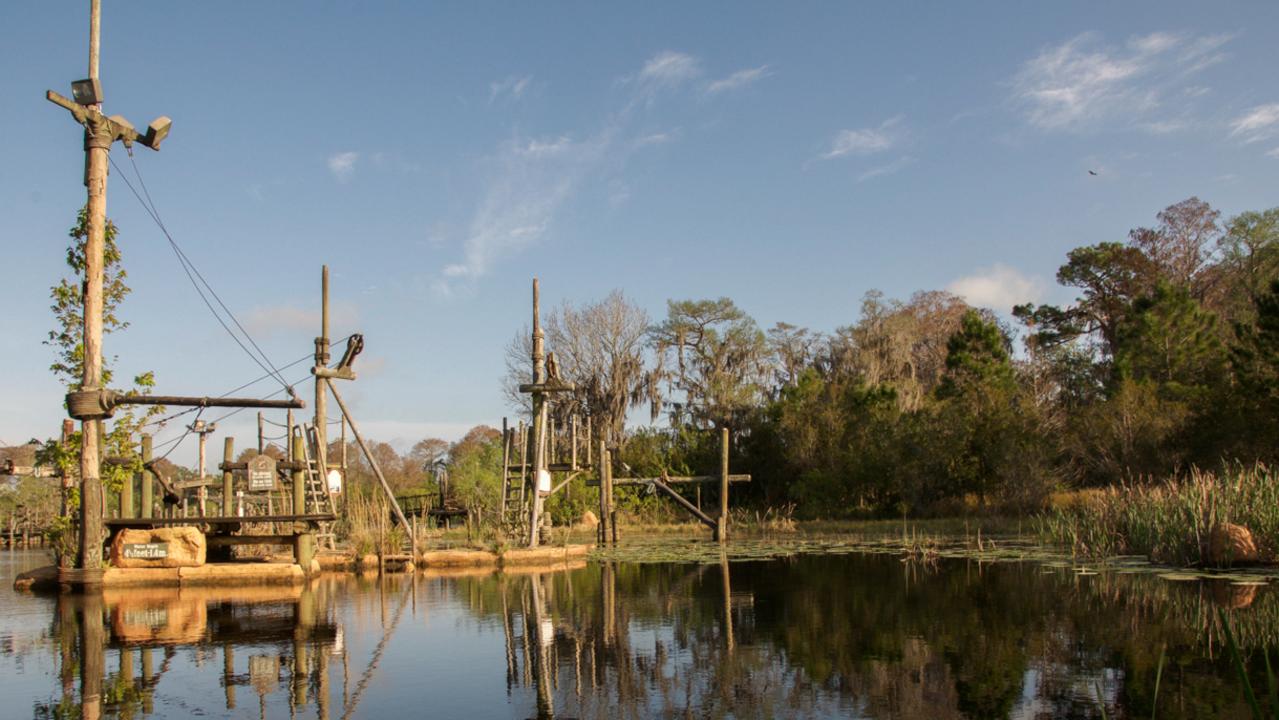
pixel 215 521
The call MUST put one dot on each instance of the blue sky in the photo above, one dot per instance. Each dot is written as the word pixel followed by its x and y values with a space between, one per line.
pixel 437 156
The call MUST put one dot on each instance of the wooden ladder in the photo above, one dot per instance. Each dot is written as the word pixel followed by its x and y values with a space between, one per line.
pixel 514 503
pixel 317 491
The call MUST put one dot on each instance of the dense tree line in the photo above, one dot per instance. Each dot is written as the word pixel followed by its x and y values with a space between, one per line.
pixel 1167 359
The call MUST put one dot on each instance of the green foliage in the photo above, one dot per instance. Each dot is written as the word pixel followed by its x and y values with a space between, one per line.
pixel 474 470
pixel 119 439
pixel 719 355
pixel 1170 340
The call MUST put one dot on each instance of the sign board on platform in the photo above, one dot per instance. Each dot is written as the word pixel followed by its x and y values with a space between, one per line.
pixel 146 551
pixel 335 481
pixel 261 473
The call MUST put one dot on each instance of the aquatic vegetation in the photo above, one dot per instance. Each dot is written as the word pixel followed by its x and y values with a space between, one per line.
pixel 1171 521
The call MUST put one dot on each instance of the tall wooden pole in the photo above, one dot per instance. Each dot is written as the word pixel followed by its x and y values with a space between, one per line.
pixel 539 420
pixel 148 483
pixel 603 465
pixel 261 433
pixel 95 178
pixel 506 469
pixel 322 361
pixel 299 476
pixel 203 431
pixel 721 528
pixel 228 490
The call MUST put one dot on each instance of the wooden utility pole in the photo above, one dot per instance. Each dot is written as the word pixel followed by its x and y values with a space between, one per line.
pixel 539 420
pixel 721 527
pixel 202 429
pixel 546 381
pixel 228 480
pixel 148 483
pixel 95 178
pixel 321 397
pixel 100 134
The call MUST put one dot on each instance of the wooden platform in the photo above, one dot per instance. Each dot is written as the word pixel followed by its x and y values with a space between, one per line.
pixel 217 521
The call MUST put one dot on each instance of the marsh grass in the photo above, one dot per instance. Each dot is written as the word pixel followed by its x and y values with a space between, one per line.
pixel 369 529
pixel 1170 521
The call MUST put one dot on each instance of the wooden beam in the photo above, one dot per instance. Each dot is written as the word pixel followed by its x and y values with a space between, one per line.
pixel 679 499
pixel 228 540
pixel 673 480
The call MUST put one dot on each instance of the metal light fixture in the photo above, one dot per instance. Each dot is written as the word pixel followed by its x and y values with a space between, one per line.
pixel 87 91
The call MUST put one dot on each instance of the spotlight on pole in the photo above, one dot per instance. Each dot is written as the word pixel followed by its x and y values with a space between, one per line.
pixel 87 91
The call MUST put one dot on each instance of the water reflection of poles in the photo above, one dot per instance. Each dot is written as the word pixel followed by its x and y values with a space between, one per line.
pixel 228 673
pixel 544 632
pixel 304 620
pixel 92 657
pixel 729 642
pixel 508 631
pixel 69 636
pixel 125 676
pixel 148 673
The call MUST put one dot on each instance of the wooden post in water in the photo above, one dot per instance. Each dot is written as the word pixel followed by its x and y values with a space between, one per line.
pixel 612 506
pixel 148 484
pixel 506 469
pixel 303 540
pixel 603 524
pixel 126 495
pixel 298 455
pixel 539 421
pixel 228 490
pixel 721 527
pixel 321 397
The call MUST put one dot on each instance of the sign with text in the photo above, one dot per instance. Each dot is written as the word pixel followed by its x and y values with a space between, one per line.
pixel 261 473
pixel 146 551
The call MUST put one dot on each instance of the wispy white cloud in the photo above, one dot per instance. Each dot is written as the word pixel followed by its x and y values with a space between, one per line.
pixel 342 165
pixel 895 166
pixel 1274 153
pixel 527 181
pixel 1083 84
pixel 669 68
pixel 737 80
pixel 512 88
pixel 998 287
pixel 658 138
pixel 865 141
pixel 1259 123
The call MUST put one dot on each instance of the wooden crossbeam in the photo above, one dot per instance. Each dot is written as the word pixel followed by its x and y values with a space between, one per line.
pixel 672 480
pixel 690 507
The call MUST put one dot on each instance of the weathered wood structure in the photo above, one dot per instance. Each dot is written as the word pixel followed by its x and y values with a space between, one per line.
pixel 718 523
pixel 527 485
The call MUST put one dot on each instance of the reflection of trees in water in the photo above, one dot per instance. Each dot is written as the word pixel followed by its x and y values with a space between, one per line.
pixel 861 636
pixel 844 636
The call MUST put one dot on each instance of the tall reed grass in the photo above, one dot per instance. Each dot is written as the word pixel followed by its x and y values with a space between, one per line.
pixel 369 527
pixel 1170 521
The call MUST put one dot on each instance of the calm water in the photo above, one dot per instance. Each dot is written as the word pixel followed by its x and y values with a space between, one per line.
pixel 807 636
